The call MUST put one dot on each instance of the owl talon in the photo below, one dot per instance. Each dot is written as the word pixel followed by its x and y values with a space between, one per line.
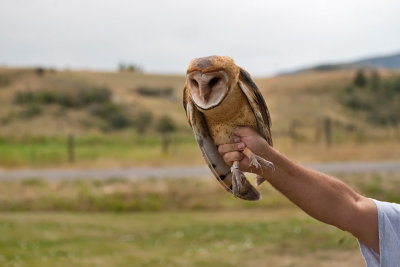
pixel 258 161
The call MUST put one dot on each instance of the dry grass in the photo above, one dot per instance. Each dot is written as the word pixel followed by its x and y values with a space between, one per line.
pixel 121 195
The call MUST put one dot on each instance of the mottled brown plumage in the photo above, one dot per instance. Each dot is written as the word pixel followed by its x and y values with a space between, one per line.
pixel 218 97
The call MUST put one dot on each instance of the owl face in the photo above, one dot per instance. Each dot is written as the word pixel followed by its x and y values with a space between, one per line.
pixel 208 89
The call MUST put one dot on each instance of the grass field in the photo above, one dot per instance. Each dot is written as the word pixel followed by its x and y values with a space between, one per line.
pixel 132 150
pixel 169 222
pixel 223 238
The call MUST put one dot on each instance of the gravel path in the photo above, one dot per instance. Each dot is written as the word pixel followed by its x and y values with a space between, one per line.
pixel 184 171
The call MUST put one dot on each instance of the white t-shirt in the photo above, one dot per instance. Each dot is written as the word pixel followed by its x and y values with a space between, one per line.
pixel 389 237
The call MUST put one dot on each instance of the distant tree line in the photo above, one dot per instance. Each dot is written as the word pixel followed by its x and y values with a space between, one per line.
pixel 122 67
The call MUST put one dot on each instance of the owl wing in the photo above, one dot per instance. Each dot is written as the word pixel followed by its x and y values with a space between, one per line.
pixel 210 152
pixel 257 103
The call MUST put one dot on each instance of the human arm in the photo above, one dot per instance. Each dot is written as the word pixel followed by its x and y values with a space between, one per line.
pixel 323 197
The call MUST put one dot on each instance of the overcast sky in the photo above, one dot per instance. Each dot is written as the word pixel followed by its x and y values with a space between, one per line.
pixel 265 37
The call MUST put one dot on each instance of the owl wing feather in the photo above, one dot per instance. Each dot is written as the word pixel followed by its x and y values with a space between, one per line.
pixel 257 103
pixel 210 152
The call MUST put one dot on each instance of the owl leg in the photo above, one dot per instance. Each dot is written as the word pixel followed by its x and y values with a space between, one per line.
pixel 237 178
pixel 258 162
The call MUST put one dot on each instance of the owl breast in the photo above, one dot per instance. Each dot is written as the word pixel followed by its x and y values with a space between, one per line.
pixel 232 112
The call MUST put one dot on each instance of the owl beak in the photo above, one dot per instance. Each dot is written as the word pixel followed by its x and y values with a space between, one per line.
pixel 204 91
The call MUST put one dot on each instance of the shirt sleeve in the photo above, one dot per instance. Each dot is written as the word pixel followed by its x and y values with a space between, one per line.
pixel 389 237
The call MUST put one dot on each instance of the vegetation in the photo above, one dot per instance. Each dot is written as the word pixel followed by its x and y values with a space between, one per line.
pixel 179 222
pixel 378 100
pixel 129 67
pixel 224 238
pixel 99 151
pixel 73 98
pixel 155 92
pixel 124 195
pixel 96 100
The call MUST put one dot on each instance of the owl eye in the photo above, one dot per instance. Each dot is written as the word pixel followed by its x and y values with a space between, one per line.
pixel 195 83
pixel 213 82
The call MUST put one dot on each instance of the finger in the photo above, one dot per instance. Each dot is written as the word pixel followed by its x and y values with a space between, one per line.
pixel 233 156
pixel 222 149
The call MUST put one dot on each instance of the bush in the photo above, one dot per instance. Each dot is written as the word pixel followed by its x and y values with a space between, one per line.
pixel 165 125
pixel 142 121
pixel 380 100
pixel 73 98
pixel 155 92
pixel 40 71
pixel 360 80
pixel 31 110
pixel 118 120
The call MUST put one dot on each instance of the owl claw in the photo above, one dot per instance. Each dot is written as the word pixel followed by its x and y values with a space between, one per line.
pixel 258 161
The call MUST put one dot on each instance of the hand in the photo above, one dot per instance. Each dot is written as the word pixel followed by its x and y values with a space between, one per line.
pixel 244 137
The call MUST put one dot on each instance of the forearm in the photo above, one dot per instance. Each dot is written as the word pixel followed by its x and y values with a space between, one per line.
pixel 323 197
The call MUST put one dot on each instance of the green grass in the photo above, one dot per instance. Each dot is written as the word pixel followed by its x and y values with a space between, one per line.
pixel 242 238
pixel 94 150
pixel 169 222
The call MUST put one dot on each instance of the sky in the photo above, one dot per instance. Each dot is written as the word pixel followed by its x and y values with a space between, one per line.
pixel 264 37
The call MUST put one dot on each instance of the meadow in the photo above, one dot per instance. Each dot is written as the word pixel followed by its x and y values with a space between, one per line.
pixel 168 222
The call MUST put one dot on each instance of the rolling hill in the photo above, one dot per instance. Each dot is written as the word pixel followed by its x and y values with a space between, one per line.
pixel 378 62
pixel 303 100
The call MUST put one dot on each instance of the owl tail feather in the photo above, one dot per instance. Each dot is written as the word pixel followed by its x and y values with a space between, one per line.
pixel 241 188
pixel 259 180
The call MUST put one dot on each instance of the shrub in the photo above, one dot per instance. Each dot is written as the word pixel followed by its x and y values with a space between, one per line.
pixel 154 92
pixel 31 110
pixel 142 121
pixel 379 101
pixel 360 80
pixel 118 120
pixel 165 125
pixel 73 98
pixel 40 71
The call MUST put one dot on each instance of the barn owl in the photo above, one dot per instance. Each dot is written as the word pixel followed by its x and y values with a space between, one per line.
pixel 218 97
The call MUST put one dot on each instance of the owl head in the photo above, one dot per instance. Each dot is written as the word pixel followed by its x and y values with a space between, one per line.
pixel 209 79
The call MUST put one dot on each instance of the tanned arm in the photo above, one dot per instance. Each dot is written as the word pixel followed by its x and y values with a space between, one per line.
pixel 323 197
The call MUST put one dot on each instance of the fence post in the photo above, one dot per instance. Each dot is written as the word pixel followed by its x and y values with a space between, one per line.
pixel 328 131
pixel 71 148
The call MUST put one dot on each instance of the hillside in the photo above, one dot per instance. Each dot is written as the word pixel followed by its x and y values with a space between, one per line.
pixel 304 99
pixel 390 62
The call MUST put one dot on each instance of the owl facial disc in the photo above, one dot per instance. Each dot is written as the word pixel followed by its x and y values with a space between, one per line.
pixel 207 90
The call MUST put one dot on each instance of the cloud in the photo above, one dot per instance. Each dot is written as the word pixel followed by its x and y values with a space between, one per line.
pixel 263 36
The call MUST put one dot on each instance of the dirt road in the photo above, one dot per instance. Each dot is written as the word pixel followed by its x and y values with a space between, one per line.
pixel 183 171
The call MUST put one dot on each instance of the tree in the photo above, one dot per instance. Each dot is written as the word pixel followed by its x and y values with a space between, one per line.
pixel 142 121
pixel 360 80
pixel 165 125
